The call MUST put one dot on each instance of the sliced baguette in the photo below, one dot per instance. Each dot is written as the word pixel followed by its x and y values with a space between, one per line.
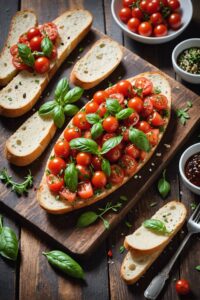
pixel 24 90
pixel 135 264
pixel 99 62
pixel 47 199
pixel 21 22
pixel 30 140
pixel 145 241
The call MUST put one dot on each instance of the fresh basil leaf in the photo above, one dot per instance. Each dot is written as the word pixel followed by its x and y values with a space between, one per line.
pixel 71 177
pixel 73 95
pixel 139 138
pixel 46 46
pixel 155 225
pixel 47 108
pixel 105 166
pixel 124 113
pixel 96 130
pixel 113 106
pixel 197 268
pixel 26 55
pixel 62 88
pixel 86 219
pixel 58 116
pixel 70 110
pixel 8 242
pixel 106 223
pixel 164 186
pixel 93 118
pixel 84 145
pixel 110 144
pixel 65 263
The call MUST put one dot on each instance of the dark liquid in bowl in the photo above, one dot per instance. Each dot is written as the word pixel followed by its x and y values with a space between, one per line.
pixel 192 169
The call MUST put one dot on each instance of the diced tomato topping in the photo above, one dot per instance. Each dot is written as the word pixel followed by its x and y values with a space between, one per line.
pixel 69 196
pixel 54 183
pixel 85 190
pixel 117 174
pixel 128 164
pixel 153 136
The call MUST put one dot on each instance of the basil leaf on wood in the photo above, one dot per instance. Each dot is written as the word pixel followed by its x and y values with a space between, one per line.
pixel 65 263
pixel 110 144
pixel 8 242
pixel 113 106
pixel 86 219
pixel 26 55
pixel 70 110
pixel 124 113
pixel 96 130
pixel 73 95
pixel 71 177
pixel 62 88
pixel 46 46
pixel 58 116
pixel 155 225
pixel 47 108
pixel 164 186
pixel 93 118
pixel 84 145
pixel 105 166
pixel 139 138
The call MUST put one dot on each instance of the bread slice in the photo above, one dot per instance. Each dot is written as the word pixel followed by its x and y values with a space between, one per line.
pixel 100 61
pixel 47 199
pixel 30 140
pixel 135 264
pixel 21 23
pixel 143 240
pixel 24 90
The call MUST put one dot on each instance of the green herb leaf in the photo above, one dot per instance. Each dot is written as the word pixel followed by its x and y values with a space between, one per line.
pixel 139 138
pixel 93 118
pixel 46 46
pixel 26 55
pixel 124 113
pixel 164 186
pixel 157 90
pixel 197 268
pixel 73 95
pixel 86 219
pixel 110 144
pixel 121 249
pixel 62 88
pixel 8 242
pixel 129 225
pixel 70 110
pixel 47 108
pixel 113 106
pixel 58 116
pixel 71 177
pixel 84 145
pixel 105 166
pixel 123 198
pixel 65 263
pixel 138 91
pixel 96 130
pixel 106 223
pixel 155 225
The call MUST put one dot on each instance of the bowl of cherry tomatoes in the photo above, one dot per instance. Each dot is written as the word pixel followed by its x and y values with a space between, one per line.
pixel 152 21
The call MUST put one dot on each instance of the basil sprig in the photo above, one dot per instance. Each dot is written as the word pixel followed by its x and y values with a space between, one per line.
pixel 164 186
pixel 111 143
pixel 71 177
pixel 156 225
pixel 113 106
pixel 65 263
pixel 26 55
pixel 47 46
pixel 139 138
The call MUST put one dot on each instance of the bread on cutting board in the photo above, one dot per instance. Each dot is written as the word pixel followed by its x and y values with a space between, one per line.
pixel 98 63
pixel 20 23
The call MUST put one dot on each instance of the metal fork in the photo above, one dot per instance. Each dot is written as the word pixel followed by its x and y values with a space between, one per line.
pixel 158 282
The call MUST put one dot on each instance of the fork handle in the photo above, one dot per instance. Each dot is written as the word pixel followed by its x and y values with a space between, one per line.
pixel 158 282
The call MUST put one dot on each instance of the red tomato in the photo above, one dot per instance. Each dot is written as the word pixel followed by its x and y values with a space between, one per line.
pixel 42 64
pixel 83 158
pixel 145 29
pixel 182 287
pixel 56 165
pixel 62 149
pixel 164 2
pixel 143 155
pixel 144 84
pixel 87 134
pixel 159 101
pixel 127 3
pixel 102 109
pixel 49 29
pixel 85 190
pixel 156 18
pixel 148 107
pixel 129 164
pixel 117 174
pixel 153 136
pixel 68 195
pixel 137 13
pixel 110 124
pixel 124 87
pixel 122 130
pixel 99 179
pixel 132 151
pixel 174 20
pixel 160 30
pixel 54 183
pixel 80 121
pixel 156 119
pixel 100 97
pixel 118 97
pixel 125 14
pixel 132 120
pixel 71 133
pixel 18 64
pixel 23 38
pixel 114 154
pixel 107 136
pixel 83 173
pixel 35 43
pixel 143 126
pixel 14 50
pixel 133 24
pixel 91 107
pixel 111 90
pixel 96 162
pixel 54 53
pixel 143 5
pixel 136 103
pixel 152 7
pixel 34 31
pixel 174 4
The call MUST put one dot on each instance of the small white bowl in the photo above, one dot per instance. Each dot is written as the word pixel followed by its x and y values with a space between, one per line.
pixel 184 157
pixel 186 9
pixel 192 78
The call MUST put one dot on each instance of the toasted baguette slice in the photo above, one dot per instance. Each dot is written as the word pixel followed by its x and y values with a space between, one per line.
pixel 47 199
pixel 100 61
pixel 135 264
pixel 146 241
pixel 21 23
pixel 24 90
pixel 30 140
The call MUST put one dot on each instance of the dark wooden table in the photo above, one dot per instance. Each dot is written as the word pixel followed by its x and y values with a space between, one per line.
pixel 31 277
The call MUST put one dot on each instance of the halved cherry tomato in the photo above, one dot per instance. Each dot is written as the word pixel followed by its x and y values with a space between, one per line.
pixel 119 97
pixel 34 31
pixel 23 39
pixel 85 190
pixel 145 29
pixel 14 50
pixel 153 136
pixel 114 154
pixel 122 130
pixel 174 20
pixel 102 109
pixel 182 287
pixel 110 124
pixel 125 14
pixel 117 174
pixel 49 29
pixel 99 179
pixel 132 151
pixel 83 158
pixel 156 119
pixel 124 87
pixel 132 120
pixel 128 164
pixel 160 30
pixel 35 43
pixel 156 18
pixel 80 121
pixel 62 149
pixel 144 84
pixel 68 195
pixel 54 183
pixel 56 165
pixel 159 101
pixel 148 107
pixel 84 173
pixel 100 97
pixel 96 162
pixel 136 103
pixel 91 107
pixel 42 64
pixel 143 126
pixel 18 64
pixel 133 24
pixel 71 133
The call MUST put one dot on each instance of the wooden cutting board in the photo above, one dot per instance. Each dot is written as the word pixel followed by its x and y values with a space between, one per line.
pixel 62 228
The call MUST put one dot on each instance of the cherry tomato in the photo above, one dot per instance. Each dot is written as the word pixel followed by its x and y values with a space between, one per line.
pixel 107 136
pixel 35 43
pixel 118 97
pixel 73 153
pixel 18 63
pixel 102 109
pixel 144 84
pixel 132 151
pixel 110 124
pixel 83 158
pixel 56 165
pixel 87 134
pixel 156 119
pixel 159 101
pixel 14 50
pixel 143 155
pixel 96 162
pixel 91 107
pixel 54 53
pixel 23 39
pixel 114 154
pixel 143 126
pixel 71 133
pixel 137 13
pixel 117 174
pixel 132 120
pixel 133 24
pixel 42 64
pixel 124 87
pixel 85 190
pixel 34 31
pixel 174 20
pixel 111 90
pixel 152 7
pixel 62 149
pixel 136 103
pixel 182 287
pixel 54 183
pixel 83 173
pixel 128 164
pixel 68 195
pixel 156 18
pixel 49 29
pixel 122 130
pixel 127 3
pixel 174 4
pixel 160 30
pixel 99 179
pixel 145 29
pixel 164 2
pixel 153 136
pixel 100 97
pixel 148 107
pixel 143 5
pixel 80 121
pixel 125 14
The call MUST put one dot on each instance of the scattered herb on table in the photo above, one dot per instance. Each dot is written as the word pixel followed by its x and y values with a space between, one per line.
pixel 123 198
pixel 197 268
pixel 164 186
pixel 193 206
pixel 152 204
pixel 121 249
pixel 155 225
pixel 183 114
pixel 129 225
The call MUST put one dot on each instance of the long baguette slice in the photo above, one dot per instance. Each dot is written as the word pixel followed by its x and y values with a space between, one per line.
pixel 99 62
pixel 21 23
pixel 30 140
pixel 143 240
pixel 135 264
pixel 47 199
pixel 24 90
